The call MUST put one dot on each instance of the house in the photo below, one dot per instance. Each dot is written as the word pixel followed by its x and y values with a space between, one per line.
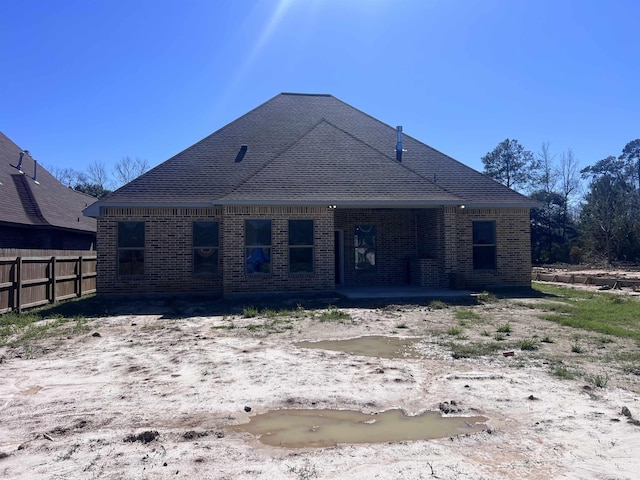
pixel 36 210
pixel 305 192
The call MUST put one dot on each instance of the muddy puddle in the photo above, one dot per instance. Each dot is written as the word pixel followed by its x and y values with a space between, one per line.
pixel 372 346
pixel 299 428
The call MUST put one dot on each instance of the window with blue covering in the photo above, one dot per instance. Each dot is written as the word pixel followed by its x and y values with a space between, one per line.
pixel 257 235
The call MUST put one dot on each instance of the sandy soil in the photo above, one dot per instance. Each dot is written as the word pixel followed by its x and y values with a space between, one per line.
pixel 75 409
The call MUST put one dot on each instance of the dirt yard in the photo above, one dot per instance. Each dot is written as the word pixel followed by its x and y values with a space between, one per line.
pixel 150 394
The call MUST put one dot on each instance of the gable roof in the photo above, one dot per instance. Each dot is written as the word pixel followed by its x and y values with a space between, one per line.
pixel 310 149
pixel 48 203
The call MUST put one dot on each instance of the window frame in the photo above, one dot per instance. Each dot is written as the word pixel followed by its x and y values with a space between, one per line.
pixel 214 246
pixel 484 261
pixel 250 250
pixel 364 244
pixel 127 249
pixel 299 247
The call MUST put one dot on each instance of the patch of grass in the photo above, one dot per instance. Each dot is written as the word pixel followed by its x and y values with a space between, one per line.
pixel 528 344
pixel 485 333
pixel 273 325
pixel 576 347
pixel 12 323
pixel 505 328
pixel 602 341
pixel 563 372
pixel 28 329
pixel 250 312
pixel 466 314
pixel 499 337
pixel 437 305
pixel 470 350
pixel 269 313
pixel 333 313
pixel 547 339
pixel 599 381
pixel 230 326
pixel 486 297
pixel 454 331
pixel 606 313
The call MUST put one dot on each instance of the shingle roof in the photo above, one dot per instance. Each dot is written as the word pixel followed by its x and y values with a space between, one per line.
pixel 306 149
pixel 47 203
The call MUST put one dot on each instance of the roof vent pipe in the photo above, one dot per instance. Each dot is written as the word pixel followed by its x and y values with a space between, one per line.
pixel 19 166
pixel 399 144
pixel 35 172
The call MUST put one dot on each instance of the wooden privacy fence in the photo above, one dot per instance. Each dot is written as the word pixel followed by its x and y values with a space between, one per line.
pixel 33 278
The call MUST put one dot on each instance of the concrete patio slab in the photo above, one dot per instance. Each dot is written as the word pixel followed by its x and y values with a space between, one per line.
pixel 399 291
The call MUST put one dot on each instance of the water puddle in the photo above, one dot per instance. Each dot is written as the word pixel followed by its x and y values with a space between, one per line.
pixel 297 428
pixel 372 346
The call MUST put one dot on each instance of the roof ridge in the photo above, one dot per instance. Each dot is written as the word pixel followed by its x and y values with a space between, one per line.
pixel 307 94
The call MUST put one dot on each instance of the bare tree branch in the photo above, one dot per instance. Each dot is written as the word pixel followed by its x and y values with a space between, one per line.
pixel 128 169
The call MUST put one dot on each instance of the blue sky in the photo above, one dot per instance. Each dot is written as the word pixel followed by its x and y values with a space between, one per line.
pixel 98 80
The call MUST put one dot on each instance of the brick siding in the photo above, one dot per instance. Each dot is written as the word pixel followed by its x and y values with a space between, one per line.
pixel 396 244
pixel 402 237
pixel 513 247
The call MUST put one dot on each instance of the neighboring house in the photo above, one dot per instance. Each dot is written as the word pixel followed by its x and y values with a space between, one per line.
pixel 306 192
pixel 36 210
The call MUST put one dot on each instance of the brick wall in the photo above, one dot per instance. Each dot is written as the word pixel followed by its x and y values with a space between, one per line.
pixel 168 251
pixel 396 244
pixel 236 277
pixel 401 236
pixel 513 247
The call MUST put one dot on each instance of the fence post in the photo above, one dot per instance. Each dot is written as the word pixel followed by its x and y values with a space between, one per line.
pixel 18 282
pixel 53 280
pixel 80 276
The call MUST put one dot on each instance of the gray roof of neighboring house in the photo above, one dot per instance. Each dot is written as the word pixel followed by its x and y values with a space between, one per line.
pixel 311 149
pixel 48 203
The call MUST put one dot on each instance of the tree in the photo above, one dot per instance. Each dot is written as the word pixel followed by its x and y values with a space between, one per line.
pixel 66 176
pixel 128 169
pixel 605 216
pixel 548 242
pixel 569 180
pixel 631 157
pixel 549 174
pixel 510 164
pixel 96 174
pixel 93 189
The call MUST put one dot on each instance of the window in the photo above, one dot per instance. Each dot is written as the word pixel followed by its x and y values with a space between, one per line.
pixel 484 245
pixel 257 235
pixel 365 247
pixel 130 248
pixel 300 246
pixel 205 248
